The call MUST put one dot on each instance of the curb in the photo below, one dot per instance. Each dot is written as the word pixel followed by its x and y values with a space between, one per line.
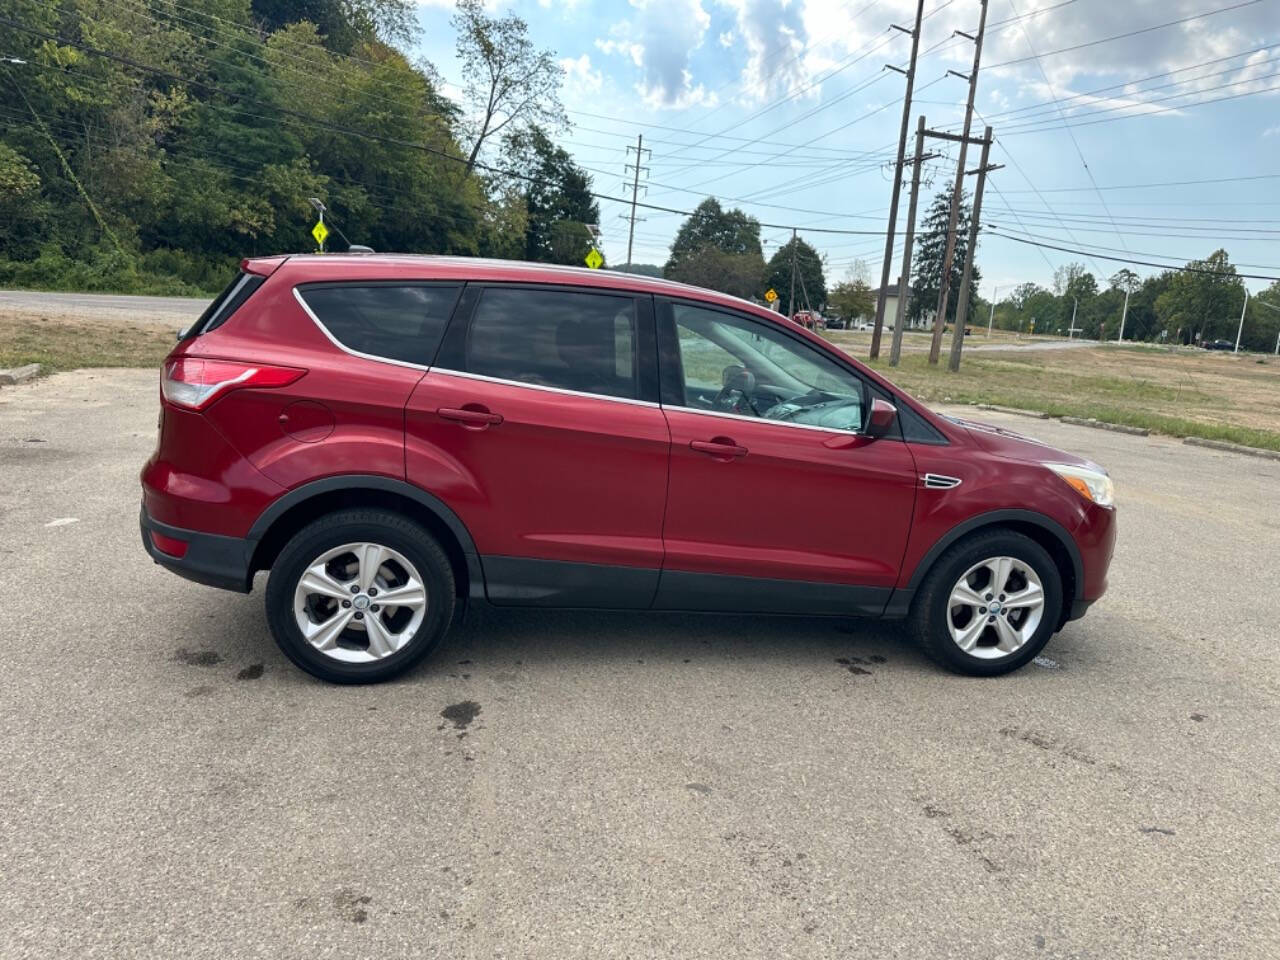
pixel 1232 448
pixel 1103 425
pixel 19 374
pixel 1038 415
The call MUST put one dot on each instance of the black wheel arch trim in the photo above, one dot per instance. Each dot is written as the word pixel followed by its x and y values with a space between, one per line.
pixel 900 603
pixel 359 481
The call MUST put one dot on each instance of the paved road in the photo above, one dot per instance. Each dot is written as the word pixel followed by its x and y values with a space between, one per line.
pixel 663 786
pixel 108 306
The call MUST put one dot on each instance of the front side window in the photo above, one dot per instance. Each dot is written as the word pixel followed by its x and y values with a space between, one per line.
pixel 732 364
pixel 584 342
pixel 389 321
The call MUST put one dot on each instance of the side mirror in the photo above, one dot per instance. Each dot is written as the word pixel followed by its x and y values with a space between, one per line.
pixel 882 418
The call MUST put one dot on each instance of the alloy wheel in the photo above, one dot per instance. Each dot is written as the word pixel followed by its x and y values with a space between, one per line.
pixel 359 602
pixel 995 608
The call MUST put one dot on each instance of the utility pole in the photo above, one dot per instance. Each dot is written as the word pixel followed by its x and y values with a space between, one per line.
pixel 1071 330
pixel 635 190
pixel 904 278
pixel 791 300
pixel 1240 329
pixel 940 321
pixel 991 318
pixel 1125 312
pixel 962 305
pixel 910 74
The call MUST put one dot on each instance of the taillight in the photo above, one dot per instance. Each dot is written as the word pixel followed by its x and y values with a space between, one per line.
pixel 195 383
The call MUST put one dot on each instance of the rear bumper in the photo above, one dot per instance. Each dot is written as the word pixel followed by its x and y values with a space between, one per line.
pixel 210 559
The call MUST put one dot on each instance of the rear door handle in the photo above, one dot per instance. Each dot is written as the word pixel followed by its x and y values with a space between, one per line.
pixel 474 417
pixel 722 448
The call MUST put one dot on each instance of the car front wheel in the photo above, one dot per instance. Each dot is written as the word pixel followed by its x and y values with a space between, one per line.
pixel 989 605
pixel 360 596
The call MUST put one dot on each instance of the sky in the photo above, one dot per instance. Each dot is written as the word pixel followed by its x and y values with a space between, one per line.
pixel 785 108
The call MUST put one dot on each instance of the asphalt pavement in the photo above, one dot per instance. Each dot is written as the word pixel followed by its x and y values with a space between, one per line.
pixel 105 305
pixel 592 785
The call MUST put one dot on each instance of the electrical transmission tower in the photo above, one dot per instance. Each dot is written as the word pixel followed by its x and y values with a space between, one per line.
pixel 910 74
pixel 635 169
pixel 940 320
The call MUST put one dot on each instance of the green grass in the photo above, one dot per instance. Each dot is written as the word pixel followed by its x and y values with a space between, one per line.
pixel 1168 400
pixel 57 345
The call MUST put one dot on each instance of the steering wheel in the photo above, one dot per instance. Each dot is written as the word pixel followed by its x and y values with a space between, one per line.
pixel 736 379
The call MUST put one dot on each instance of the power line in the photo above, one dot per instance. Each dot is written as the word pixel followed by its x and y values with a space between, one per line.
pixel 999 232
pixel 1149 113
pixel 1165 183
pixel 1074 142
pixel 1032 109
pixel 1130 33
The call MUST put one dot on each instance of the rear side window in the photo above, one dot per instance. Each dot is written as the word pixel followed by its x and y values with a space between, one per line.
pixel 402 322
pixel 584 342
pixel 225 304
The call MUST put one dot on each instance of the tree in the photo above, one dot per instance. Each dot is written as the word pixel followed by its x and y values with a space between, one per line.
pixel 811 284
pixel 505 79
pixel 1205 299
pixel 1124 279
pixel 557 196
pixel 718 249
pixel 852 298
pixel 926 285
pixel 344 24
pixel 642 269
pixel 1065 276
pixel 134 179
pixel 737 274
pixel 1262 325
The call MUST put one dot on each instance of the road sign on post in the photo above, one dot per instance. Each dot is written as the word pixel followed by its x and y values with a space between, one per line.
pixel 320 232
pixel 593 259
pixel 771 295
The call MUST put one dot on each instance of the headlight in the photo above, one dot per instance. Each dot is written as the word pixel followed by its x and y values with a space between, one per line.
pixel 1091 484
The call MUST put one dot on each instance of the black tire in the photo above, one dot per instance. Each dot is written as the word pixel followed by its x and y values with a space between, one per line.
pixel 930 613
pixel 392 530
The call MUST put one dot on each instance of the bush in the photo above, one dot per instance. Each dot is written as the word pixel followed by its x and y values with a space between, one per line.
pixel 108 270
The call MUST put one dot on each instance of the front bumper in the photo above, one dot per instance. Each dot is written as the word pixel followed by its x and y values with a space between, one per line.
pixel 213 560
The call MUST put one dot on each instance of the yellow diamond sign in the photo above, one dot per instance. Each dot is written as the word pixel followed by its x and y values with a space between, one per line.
pixel 771 294
pixel 593 259
pixel 320 231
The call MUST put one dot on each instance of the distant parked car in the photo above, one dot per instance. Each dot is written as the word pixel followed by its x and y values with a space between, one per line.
pixel 1218 345
pixel 862 325
pixel 809 319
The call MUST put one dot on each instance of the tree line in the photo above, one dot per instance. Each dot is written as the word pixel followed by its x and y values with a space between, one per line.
pixel 1202 303
pixel 149 144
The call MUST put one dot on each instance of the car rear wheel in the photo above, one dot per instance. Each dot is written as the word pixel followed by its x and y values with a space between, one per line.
pixel 989 605
pixel 360 596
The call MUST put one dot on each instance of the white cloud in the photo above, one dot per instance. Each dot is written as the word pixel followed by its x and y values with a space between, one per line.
pixel 1272 131
pixel 728 39
pixel 775 37
pixel 660 38
pixel 580 78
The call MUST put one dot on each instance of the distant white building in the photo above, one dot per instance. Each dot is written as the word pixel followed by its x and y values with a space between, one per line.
pixel 891 310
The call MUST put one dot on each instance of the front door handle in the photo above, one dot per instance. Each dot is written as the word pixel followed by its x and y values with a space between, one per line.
pixel 473 417
pixel 722 448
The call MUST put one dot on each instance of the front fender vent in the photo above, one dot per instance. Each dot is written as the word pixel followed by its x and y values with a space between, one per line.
pixel 938 481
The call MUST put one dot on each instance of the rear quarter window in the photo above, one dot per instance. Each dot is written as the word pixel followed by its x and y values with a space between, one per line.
pixel 400 322
pixel 220 309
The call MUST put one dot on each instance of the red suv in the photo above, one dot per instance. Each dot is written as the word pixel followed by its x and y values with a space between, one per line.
pixel 393 436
